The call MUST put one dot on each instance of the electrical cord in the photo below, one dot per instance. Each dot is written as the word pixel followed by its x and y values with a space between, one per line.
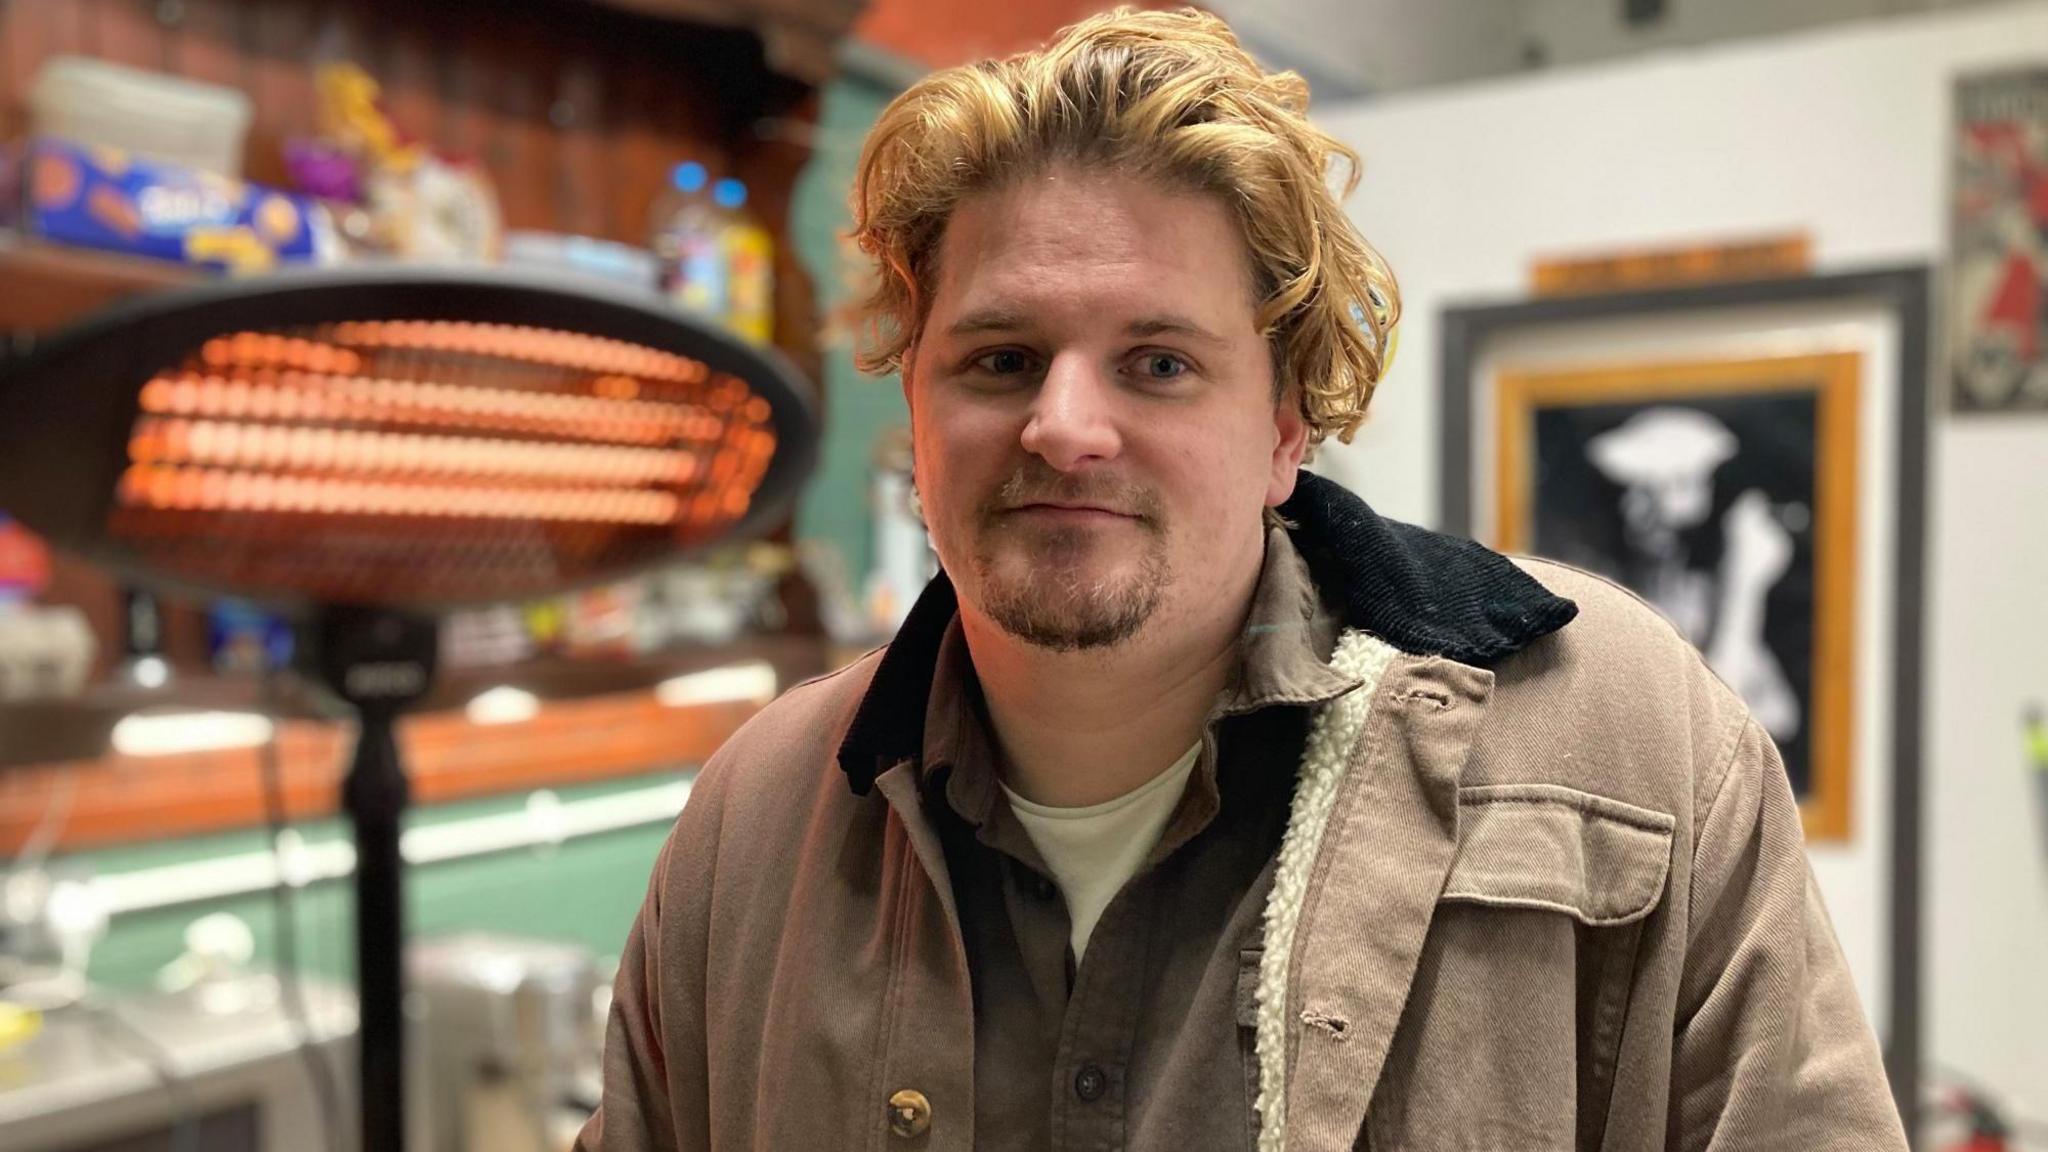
pixel 119 1030
pixel 25 886
pixel 42 841
pixel 284 905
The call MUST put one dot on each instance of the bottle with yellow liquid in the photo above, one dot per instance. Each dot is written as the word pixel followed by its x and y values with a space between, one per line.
pixel 749 266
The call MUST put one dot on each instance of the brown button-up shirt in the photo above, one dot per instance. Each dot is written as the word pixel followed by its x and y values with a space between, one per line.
pixel 1149 1041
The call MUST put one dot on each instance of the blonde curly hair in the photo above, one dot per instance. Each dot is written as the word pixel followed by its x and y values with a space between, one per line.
pixel 1169 96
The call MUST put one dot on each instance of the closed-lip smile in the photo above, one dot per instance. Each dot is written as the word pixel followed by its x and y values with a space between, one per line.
pixel 1065 510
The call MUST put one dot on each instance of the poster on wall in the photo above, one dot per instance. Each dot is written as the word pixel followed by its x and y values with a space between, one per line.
pixel 1723 491
pixel 1998 306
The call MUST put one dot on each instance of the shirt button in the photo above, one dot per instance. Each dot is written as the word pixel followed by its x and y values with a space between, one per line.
pixel 1090 1083
pixel 910 1114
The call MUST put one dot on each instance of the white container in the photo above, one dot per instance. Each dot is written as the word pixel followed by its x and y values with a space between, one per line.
pixel 565 254
pixel 45 653
pixel 162 117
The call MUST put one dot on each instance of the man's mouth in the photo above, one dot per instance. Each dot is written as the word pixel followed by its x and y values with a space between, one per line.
pixel 1068 506
pixel 1076 513
pixel 1037 496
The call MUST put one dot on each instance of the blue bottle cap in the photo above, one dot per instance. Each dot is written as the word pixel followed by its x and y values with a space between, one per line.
pixel 729 193
pixel 689 176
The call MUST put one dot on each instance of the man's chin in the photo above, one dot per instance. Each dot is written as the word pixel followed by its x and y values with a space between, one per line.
pixel 1071 592
pixel 1066 629
pixel 1050 612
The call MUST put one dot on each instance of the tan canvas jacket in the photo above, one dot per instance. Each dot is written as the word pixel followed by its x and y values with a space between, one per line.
pixel 1559 901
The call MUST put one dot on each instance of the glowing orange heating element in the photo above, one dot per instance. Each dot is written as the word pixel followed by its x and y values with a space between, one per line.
pixel 470 431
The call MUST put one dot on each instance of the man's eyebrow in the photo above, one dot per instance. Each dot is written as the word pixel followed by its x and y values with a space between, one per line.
pixel 988 320
pixel 1011 320
pixel 1171 326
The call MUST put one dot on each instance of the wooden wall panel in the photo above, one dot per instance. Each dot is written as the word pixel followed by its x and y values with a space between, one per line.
pixel 205 43
pixel 277 38
pixel 64 26
pixel 409 70
pixel 125 32
pixel 21 49
pixel 524 160
pixel 579 118
pixel 638 157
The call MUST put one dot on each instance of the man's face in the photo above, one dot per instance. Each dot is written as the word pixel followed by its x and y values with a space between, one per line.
pixel 1092 410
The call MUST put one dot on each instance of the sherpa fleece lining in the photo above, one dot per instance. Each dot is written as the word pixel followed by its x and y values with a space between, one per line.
pixel 1323 761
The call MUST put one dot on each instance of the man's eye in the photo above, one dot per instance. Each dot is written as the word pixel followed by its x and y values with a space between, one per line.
pixel 1161 366
pixel 1005 362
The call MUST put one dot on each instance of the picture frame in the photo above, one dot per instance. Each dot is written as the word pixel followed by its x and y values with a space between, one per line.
pixel 1557 349
pixel 1787 426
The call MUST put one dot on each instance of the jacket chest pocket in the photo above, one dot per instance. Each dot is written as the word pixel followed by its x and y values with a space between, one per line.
pixel 1520 997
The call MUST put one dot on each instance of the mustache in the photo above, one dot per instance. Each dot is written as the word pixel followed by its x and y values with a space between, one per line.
pixel 1039 483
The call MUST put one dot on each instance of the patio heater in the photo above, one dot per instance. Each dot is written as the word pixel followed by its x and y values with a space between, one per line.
pixel 366 450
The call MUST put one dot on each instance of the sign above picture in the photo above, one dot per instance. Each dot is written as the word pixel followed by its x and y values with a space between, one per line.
pixel 1637 269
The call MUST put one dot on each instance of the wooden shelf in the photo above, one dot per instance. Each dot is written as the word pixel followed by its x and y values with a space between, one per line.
pixel 44 287
pixel 600 720
pixel 38 732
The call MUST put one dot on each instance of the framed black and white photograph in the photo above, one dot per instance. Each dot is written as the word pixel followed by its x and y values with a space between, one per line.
pixel 1750 458
pixel 1723 492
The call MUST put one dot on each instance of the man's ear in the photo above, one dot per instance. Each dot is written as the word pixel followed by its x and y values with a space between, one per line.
pixel 1289 447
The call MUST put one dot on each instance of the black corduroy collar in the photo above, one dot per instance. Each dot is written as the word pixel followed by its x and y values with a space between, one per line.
pixel 1425 593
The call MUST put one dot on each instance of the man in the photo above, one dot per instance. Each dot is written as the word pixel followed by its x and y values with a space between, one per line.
pixel 1171 823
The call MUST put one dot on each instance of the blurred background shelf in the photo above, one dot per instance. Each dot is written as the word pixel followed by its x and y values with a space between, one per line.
pixel 44 287
pixel 595 720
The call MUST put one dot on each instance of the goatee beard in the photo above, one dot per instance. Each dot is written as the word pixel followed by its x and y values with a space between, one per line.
pixel 1059 609
pixel 1055 605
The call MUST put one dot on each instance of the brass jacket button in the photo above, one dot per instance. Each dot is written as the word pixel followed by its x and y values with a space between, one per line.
pixel 910 1114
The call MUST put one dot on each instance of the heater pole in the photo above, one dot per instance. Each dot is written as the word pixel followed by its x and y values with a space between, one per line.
pixel 375 796
pixel 380 661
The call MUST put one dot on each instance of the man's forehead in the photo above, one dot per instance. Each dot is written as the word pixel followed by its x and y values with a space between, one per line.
pixel 1157 256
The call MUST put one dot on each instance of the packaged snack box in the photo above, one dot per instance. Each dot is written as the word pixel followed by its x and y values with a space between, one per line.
pixel 104 198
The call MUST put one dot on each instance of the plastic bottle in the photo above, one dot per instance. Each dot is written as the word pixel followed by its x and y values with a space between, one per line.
pixel 686 238
pixel 749 266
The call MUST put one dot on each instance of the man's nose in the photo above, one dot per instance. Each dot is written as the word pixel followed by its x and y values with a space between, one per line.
pixel 1072 417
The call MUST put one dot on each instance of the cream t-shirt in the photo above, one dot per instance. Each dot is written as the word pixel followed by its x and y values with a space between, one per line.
pixel 1093 851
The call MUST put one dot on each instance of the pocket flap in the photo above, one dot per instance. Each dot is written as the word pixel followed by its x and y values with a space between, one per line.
pixel 1545 846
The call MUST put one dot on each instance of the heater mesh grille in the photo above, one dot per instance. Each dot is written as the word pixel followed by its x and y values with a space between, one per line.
pixel 458 461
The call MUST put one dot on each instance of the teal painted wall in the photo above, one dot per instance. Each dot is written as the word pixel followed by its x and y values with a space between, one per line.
pixel 858 409
pixel 585 892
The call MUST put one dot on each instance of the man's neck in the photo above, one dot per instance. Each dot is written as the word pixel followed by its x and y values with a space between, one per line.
pixel 1082 728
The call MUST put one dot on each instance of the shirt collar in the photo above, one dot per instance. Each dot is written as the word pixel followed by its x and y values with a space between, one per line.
pixel 1422 592
pixel 1283 658
pixel 1287 640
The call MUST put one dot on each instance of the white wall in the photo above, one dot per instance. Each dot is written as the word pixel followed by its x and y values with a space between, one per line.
pixel 1383 45
pixel 1842 135
pixel 1577 31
